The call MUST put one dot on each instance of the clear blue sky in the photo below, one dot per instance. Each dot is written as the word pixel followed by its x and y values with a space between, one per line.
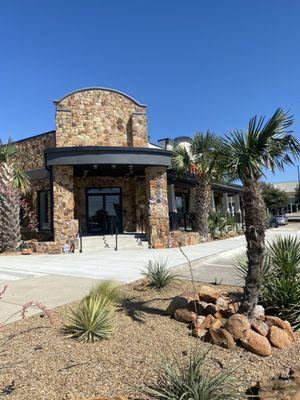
pixel 197 64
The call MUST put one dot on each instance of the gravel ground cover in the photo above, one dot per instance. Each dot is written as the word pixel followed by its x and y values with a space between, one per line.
pixel 38 362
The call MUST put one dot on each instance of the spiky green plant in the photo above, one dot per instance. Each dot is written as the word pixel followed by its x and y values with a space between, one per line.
pixel 92 320
pixel 159 274
pixel 107 289
pixel 280 275
pixel 217 222
pixel 192 381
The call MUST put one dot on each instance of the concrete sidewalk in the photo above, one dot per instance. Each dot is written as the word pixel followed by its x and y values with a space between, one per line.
pixel 59 279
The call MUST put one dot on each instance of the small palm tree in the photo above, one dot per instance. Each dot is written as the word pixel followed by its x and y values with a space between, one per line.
pixel 13 184
pixel 247 154
pixel 200 159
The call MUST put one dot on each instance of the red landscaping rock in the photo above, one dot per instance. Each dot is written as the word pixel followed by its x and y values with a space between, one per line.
pixel 26 252
pixel 238 325
pixel 181 301
pixel 260 327
pixel 197 306
pixel 198 331
pixel 279 337
pixel 256 343
pixel 185 315
pixel 209 294
pixel 220 337
pixel 285 325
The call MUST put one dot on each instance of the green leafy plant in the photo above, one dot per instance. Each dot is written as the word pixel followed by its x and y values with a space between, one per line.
pixel 218 222
pixel 159 274
pixel 92 320
pixel 280 275
pixel 107 289
pixel 192 381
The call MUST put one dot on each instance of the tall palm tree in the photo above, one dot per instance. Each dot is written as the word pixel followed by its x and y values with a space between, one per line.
pixel 247 154
pixel 13 184
pixel 200 159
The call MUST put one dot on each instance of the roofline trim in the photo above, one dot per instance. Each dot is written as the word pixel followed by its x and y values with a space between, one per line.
pixel 34 136
pixel 99 88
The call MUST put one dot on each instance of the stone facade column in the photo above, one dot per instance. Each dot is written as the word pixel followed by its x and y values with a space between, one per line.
pixel 139 130
pixel 225 203
pixel 171 198
pixel 213 203
pixel 158 210
pixel 64 225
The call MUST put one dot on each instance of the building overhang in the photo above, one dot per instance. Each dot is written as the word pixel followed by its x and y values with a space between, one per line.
pixel 103 155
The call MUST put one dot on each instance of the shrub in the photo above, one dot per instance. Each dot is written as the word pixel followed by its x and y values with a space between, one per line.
pixel 218 221
pixel 192 381
pixel 92 320
pixel 159 274
pixel 107 289
pixel 281 279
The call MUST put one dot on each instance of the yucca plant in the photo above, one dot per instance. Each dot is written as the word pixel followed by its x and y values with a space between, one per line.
pixel 92 320
pixel 159 274
pixel 192 381
pixel 281 292
pixel 280 275
pixel 107 289
pixel 13 184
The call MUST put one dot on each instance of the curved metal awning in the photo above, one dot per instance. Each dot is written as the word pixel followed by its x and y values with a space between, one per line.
pixel 103 155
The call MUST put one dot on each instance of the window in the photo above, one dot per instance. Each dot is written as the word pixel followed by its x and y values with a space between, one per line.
pixel 181 202
pixel 44 210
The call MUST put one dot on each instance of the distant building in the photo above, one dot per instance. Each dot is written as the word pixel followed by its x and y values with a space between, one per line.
pixel 290 189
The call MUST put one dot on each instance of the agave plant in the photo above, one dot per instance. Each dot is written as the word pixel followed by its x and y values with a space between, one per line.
pixel 192 381
pixel 159 274
pixel 92 320
pixel 107 289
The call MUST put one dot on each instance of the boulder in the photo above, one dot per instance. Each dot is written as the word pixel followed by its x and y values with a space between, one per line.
pixel 220 337
pixel 181 301
pixel 258 313
pixel 209 294
pixel 260 327
pixel 279 337
pixel 197 306
pixel 285 325
pixel 199 332
pixel 223 302
pixel 211 309
pixel 185 315
pixel 256 343
pixel 238 325
pixel 234 307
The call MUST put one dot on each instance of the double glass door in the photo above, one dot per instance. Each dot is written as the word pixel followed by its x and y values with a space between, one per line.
pixel 104 210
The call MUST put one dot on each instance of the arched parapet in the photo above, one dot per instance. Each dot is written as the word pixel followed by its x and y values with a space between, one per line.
pixel 100 117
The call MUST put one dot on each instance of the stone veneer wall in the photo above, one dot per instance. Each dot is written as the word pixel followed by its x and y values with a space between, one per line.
pixel 158 209
pixel 100 117
pixel 30 152
pixel 128 187
pixel 64 225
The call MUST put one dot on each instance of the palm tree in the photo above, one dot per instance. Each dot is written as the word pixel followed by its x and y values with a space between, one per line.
pixel 200 159
pixel 13 184
pixel 247 154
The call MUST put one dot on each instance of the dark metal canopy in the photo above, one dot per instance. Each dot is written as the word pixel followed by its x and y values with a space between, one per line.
pixel 102 155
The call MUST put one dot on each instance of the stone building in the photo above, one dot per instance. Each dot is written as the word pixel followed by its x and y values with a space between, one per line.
pixel 98 172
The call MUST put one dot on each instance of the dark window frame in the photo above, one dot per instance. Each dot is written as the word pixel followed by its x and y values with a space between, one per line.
pixel 47 210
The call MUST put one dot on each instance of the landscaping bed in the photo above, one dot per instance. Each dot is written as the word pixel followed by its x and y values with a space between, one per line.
pixel 40 362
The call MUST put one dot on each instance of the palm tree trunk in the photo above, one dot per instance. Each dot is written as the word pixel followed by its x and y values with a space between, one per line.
pixel 10 233
pixel 202 205
pixel 255 219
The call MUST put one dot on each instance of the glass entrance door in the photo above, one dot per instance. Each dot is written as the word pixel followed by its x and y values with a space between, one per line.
pixel 104 210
